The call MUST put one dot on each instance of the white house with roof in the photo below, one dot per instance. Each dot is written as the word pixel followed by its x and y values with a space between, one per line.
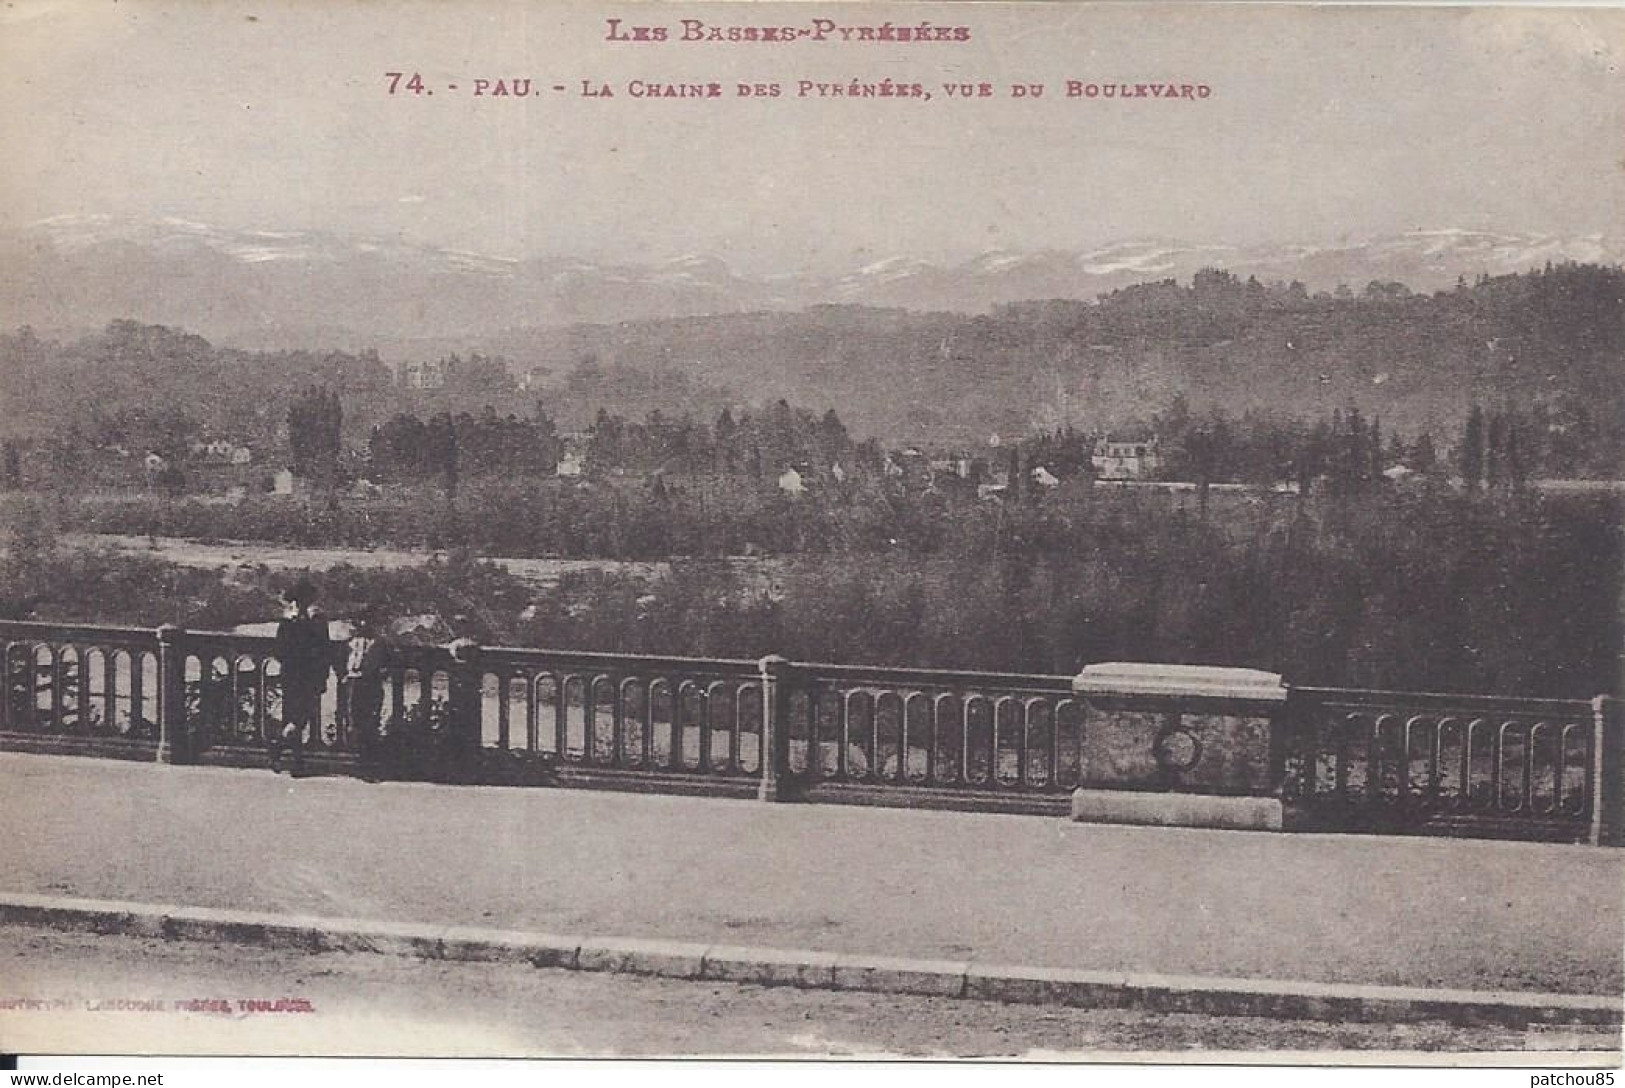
pixel 1118 458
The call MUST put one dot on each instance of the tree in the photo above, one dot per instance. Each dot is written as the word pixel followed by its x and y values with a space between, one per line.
pixel 1494 449
pixel 315 429
pixel 1424 458
pixel 25 562
pixel 1472 449
pixel 11 470
pixel 606 440
pixel 1517 468
pixel 833 439
pixel 442 448
pixel 1201 445
pixel 546 449
pixel 727 433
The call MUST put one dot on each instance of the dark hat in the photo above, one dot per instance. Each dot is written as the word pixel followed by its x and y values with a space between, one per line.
pixel 301 592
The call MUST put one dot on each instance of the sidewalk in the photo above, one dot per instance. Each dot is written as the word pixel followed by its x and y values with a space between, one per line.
pixel 997 889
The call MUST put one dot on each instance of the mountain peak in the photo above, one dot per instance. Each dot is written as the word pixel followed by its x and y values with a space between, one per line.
pixel 218 280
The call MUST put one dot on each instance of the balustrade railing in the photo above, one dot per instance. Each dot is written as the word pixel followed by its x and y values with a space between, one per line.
pixel 934 728
pixel 63 679
pixel 1356 760
pixel 666 715
pixel 1406 757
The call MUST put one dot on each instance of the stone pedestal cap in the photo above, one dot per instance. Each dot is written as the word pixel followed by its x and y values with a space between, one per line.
pixel 1206 681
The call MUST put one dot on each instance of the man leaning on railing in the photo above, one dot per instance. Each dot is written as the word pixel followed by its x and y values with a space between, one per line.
pixel 302 647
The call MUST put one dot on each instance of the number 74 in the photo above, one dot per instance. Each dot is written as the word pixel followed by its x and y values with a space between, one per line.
pixel 413 84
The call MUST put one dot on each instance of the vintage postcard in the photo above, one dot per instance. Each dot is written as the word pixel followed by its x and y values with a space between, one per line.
pixel 1033 531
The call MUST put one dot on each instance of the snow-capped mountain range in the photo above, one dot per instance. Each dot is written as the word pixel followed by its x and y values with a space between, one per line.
pixel 268 288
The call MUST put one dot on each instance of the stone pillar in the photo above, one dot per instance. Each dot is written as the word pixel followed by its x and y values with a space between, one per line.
pixel 462 743
pixel 1191 745
pixel 777 783
pixel 1607 773
pixel 175 739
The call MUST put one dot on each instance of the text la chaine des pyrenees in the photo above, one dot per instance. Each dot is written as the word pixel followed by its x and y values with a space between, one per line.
pixel 813 30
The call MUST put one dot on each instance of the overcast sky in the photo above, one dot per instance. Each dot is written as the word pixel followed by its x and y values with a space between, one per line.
pixel 1322 125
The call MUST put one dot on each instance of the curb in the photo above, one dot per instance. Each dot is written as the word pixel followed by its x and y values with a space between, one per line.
pixel 1334 1002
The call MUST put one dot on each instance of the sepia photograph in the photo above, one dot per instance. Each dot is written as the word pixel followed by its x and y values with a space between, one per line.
pixel 1034 532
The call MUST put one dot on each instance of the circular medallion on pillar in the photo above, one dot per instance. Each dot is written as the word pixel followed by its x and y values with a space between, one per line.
pixel 1176 749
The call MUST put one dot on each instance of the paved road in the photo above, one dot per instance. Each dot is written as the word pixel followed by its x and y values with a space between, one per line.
pixel 124 994
pixel 1009 889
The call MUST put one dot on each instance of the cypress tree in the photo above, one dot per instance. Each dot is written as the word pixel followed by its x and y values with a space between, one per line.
pixel 1472 449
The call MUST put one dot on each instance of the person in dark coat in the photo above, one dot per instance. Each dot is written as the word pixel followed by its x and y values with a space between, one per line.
pixel 304 651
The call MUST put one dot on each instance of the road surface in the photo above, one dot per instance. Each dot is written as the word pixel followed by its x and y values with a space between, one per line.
pixel 1024 890
pixel 123 994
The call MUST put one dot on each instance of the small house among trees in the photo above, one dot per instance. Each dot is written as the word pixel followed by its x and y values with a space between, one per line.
pixel 792 483
pixel 1119 458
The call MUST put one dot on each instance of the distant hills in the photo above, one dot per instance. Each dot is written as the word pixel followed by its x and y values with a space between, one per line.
pixel 277 289
pixel 1550 342
pixel 1412 328
pixel 1552 337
